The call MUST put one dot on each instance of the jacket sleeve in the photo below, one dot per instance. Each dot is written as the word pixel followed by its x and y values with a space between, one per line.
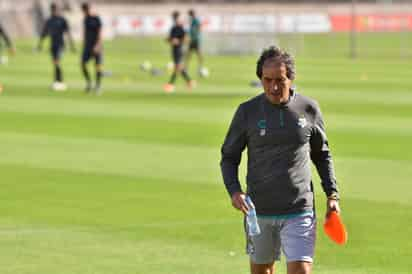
pixel 232 148
pixel 321 155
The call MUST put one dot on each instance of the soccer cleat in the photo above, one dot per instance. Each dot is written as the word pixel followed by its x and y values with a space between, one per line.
pixel 169 88
pixel 59 86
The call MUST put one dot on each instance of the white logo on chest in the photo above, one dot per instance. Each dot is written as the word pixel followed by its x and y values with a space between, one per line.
pixel 302 122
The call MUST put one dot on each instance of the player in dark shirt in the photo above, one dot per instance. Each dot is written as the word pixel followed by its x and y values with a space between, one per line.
pixel 3 59
pixel 92 46
pixel 195 41
pixel 55 27
pixel 176 39
pixel 9 45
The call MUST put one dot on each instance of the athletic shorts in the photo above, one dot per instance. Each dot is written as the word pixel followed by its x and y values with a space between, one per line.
pixel 294 236
pixel 56 51
pixel 194 45
pixel 177 55
pixel 88 53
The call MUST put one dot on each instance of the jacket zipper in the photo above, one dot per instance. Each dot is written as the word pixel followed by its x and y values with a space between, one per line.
pixel 281 118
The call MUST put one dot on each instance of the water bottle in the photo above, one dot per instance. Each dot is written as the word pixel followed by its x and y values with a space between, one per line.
pixel 251 218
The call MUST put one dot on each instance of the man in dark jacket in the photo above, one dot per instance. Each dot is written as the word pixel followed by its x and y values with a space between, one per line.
pixel 283 131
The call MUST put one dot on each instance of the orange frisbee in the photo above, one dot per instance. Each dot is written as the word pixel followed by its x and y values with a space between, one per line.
pixel 335 228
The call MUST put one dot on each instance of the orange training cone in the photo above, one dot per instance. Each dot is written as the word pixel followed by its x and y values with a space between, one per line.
pixel 335 228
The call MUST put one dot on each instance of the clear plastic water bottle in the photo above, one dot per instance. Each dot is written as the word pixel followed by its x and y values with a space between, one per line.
pixel 251 218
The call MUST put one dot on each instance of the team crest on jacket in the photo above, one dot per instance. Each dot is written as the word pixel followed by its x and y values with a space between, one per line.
pixel 262 127
pixel 302 121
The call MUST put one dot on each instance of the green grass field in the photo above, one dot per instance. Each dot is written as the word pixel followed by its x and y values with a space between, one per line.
pixel 129 182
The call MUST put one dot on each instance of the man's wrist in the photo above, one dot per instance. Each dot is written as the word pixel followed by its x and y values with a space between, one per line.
pixel 234 191
pixel 334 196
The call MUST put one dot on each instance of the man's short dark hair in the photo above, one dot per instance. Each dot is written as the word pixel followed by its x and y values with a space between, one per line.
pixel 191 13
pixel 85 7
pixel 276 54
pixel 53 7
pixel 175 15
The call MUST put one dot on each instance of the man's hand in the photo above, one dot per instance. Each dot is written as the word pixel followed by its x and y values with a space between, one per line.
pixel 238 202
pixel 175 41
pixel 97 49
pixel 332 205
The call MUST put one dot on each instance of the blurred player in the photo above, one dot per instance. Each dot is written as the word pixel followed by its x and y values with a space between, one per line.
pixel 55 27
pixel 9 45
pixel 176 39
pixel 195 40
pixel 3 59
pixel 92 47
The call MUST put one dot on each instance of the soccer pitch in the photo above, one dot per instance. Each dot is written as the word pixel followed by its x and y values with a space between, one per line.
pixel 129 182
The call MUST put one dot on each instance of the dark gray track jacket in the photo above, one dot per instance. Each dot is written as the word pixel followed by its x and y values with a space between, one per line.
pixel 281 140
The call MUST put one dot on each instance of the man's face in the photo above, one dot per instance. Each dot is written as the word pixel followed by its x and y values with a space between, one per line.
pixel 275 82
pixel 179 21
pixel 86 11
pixel 55 10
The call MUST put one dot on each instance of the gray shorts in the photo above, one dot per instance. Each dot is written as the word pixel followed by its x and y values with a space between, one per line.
pixel 294 236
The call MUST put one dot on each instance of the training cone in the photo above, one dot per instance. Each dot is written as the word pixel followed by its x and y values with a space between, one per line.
pixel 335 228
